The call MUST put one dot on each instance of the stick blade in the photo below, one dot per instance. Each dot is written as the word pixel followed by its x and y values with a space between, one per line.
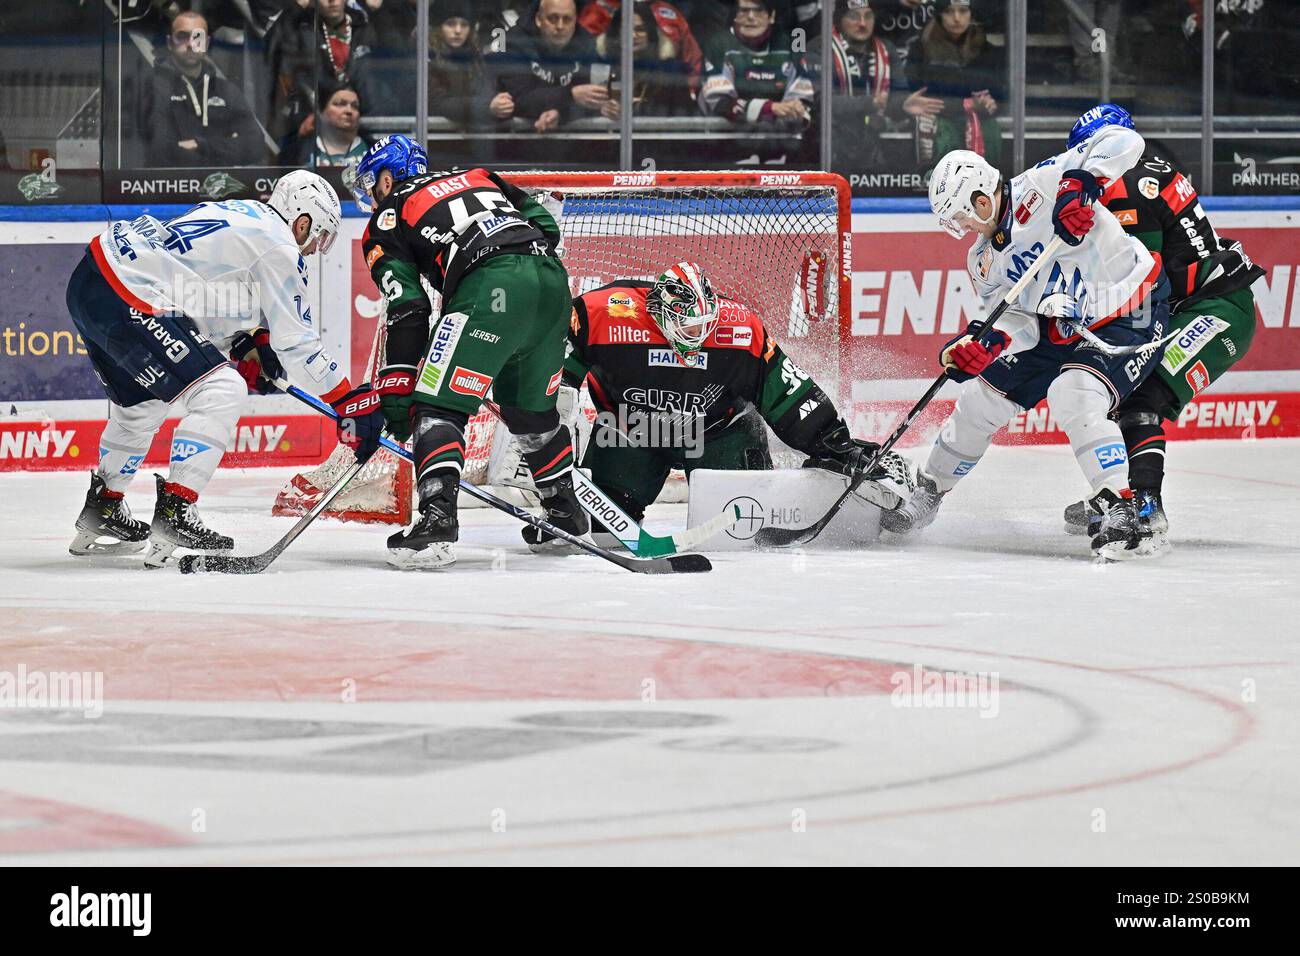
pixel 223 563
pixel 689 563
pixel 785 537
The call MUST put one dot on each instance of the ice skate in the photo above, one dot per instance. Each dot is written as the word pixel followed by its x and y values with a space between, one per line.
pixel 105 525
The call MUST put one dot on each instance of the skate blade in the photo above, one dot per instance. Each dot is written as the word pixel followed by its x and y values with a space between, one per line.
pixel 432 558
pixel 1116 551
pixel 87 543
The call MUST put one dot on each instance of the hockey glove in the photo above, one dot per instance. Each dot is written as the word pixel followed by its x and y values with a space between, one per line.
pixel 360 421
pixel 256 361
pixel 1072 216
pixel 836 450
pixel 966 356
pixel 395 383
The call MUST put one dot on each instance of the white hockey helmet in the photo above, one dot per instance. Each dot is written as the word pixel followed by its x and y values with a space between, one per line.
pixel 953 185
pixel 304 193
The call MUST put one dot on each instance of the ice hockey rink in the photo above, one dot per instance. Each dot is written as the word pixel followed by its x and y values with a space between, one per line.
pixel 534 710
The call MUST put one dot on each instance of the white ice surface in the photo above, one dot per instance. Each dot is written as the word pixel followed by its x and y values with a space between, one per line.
pixel 522 709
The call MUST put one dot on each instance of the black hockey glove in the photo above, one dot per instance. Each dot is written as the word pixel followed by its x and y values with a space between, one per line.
pixel 836 450
pixel 256 361
pixel 360 421
pixel 395 383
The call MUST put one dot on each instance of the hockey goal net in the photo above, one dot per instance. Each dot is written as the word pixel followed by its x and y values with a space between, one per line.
pixel 777 242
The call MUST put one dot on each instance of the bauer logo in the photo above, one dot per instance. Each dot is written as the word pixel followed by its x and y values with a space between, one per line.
pixel 1108 456
pixel 465 381
pixel 184 449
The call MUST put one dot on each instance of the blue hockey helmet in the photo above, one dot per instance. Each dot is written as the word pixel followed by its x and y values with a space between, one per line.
pixel 1108 114
pixel 398 154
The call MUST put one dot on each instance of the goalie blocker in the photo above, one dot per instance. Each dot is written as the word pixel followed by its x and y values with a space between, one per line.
pixel 683 378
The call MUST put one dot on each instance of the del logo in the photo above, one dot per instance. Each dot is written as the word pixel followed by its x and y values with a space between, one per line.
pixel 1027 206
pixel 1198 377
pixel 737 336
pixel 468 382
pixel 184 450
pixel 1108 456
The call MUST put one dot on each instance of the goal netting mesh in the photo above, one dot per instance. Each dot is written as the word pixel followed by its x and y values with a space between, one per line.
pixel 776 242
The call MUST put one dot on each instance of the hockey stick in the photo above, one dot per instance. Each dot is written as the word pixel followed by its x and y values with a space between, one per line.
pixel 628 532
pixel 785 537
pixel 668 564
pixel 256 563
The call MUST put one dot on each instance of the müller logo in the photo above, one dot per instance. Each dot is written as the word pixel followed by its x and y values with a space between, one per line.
pixel 75 908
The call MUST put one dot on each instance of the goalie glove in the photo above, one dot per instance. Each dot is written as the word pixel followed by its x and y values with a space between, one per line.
pixel 966 356
pixel 256 361
pixel 395 383
pixel 836 450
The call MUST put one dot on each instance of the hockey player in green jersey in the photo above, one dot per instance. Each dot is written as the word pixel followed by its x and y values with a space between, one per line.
pixel 1212 304
pixel 489 250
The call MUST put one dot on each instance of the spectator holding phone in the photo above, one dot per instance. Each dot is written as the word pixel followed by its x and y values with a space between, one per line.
pixel 659 77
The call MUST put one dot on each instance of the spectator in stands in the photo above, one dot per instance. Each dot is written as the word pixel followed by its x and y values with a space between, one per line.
pixel 953 61
pixel 670 23
pixel 457 84
pixel 324 42
pixel 337 140
pixel 659 77
pixel 393 22
pixel 869 89
pixel 495 17
pixel 753 77
pixel 542 74
pixel 901 22
pixel 190 116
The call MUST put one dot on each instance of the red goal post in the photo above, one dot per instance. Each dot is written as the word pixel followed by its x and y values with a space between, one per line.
pixel 779 242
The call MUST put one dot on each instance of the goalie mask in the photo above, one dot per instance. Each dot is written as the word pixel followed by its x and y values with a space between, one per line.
pixel 300 193
pixel 953 185
pixel 684 306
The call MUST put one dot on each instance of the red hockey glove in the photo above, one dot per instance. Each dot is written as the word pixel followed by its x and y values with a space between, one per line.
pixel 1072 216
pixel 360 421
pixel 395 383
pixel 966 356
pixel 256 361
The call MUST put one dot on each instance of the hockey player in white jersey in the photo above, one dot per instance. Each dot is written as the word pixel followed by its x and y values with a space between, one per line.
pixel 1083 334
pixel 159 305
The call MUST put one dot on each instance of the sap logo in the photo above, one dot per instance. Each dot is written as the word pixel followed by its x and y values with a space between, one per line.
pixel 779 179
pixel 129 467
pixel 183 450
pixel 1108 456
pixel 36 444
pixel 634 179
pixel 1019 263
pixel 260 438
